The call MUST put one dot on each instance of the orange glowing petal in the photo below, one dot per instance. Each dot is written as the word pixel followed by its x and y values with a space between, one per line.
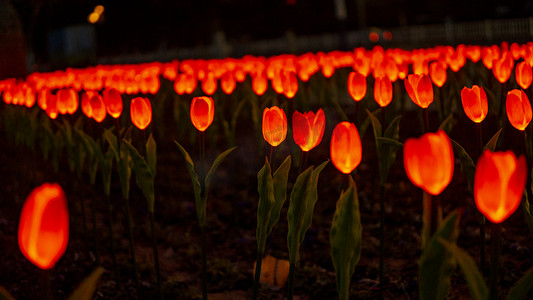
pixel 518 109
pixel 228 83
pixel 429 162
pixel 202 112
pixel 437 71
pixel 86 107
pixel 274 125
pixel 209 84
pixel 425 91
pixel 356 86
pixel 345 148
pixel 383 91
pixel 44 226
pixel 113 102
pixel 475 103
pixel 290 84
pixel 499 184
pixel 98 109
pixel 308 128
pixel 523 74
pixel 141 112
pixel 259 84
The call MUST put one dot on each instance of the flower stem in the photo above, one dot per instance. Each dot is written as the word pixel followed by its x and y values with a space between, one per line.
pixel 426 119
pixel 111 238
pixel 290 286
pixel 46 291
pixel 95 234
pixel 381 237
pixel 156 255
pixel 132 247
pixel 483 260
pixel 495 261
pixel 204 264
pixel 257 275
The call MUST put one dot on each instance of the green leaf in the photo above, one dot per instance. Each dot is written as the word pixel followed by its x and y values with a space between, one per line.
pixel 376 125
pixel 264 206
pixel 302 203
pixel 106 170
pixel 124 170
pixel 151 154
pixel 476 283
pixel 387 147
pixel 5 295
pixel 467 165
pixel 200 204
pixel 491 145
pixel 447 124
pixel 86 289
pixel 436 263
pixel 113 143
pixel 520 290
pixel 279 180
pixel 143 175
pixel 366 123
pixel 526 207
pixel 218 160
pixel 345 238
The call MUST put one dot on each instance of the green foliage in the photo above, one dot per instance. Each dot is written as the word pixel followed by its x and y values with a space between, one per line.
pixel 200 197
pixel 476 284
pixel 345 238
pixel 436 263
pixel 387 144
pixel 229 127
pixel 86 289
pixel 5 295
pixel 272 195
pixel 145 169
pixel 124 161
pixel 491 145
pixel 520 290
pixel 528 214
pixel 302 203
pixel 467 165
pixel 447 124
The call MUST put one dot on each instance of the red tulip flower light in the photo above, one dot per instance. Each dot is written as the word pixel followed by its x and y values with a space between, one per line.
pixel 420 89
pixel 346 149
pixel 228 83
pixel 503 67
pixel 357 86
pixel 499 184
pixel 428 161
pixel 98 109
pixel 259 84
pixel 141 112
pixel 437 72
pixel 44 226
pixel 308 128
pixel 383 91
pixel 523 74
pixel 518 109
pixel 113 102
pixel 475 103
pixel 290 83
pixel 202 112
pixel 274 125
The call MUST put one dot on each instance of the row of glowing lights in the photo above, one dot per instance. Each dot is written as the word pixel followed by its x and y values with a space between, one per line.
pixel 499 179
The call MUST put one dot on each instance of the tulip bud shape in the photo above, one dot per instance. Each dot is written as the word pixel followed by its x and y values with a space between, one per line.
pixel 499 184
pixel 523 74
pixel 345 148
pixel 44 226
pixel 428 161
pixel 356 86
pixel 383 91
pixel 475 103
pixel 308 128
pixel 113 102
pixel 141 112
pixel 274 125
pixel 518 109
pixel 202 112
pixel 420 89
pixel 437 72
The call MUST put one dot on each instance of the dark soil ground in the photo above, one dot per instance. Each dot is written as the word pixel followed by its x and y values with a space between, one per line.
pixel 231 225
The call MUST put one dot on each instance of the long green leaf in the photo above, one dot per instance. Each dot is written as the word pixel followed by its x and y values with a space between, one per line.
pixel 113 144
pixel 197 189
pixel 124 170
pixel 447 124
pixel 436 263
pixel 345 238
pixel 476 283
pixel 521 289
pixel 218 160
pixel 86 289
pixel 467 165
pixel 279 180
pixel 266 201
pixel 302 201
pixel 491 145
pixel 143 175
pixel 5 295
pixel 151 154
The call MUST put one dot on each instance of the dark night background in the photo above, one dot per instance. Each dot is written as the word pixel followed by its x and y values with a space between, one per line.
pixel 134 26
